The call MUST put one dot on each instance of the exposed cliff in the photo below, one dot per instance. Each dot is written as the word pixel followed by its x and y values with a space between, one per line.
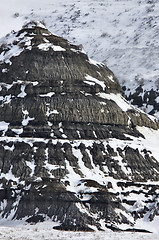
pixel 71 147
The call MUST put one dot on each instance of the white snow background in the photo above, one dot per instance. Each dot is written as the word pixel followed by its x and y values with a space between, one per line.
pixel 121 33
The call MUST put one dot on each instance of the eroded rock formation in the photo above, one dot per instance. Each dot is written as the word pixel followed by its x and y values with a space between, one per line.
pixel 71 147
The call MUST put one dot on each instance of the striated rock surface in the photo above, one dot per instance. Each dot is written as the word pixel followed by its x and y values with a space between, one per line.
pixel 71 147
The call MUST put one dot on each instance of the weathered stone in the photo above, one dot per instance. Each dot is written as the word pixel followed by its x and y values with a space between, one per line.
pixel 60 116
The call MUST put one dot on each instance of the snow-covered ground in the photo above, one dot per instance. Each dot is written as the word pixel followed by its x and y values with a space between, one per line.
pixel 45 231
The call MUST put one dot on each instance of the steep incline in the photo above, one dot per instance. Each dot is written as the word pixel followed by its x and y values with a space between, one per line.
pixel 71 147
pixel 122 33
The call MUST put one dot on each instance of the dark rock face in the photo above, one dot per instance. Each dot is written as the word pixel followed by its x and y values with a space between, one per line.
pixel 71 148
pixel 146 99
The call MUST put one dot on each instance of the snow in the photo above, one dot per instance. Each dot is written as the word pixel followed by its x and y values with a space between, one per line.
pixel 151 140
pixel 9 148
pixel 92 81
pixel 111 78
pixel 72 177
pixel 9 176
pixel 35 83
pixel 4 126
pixel 26 118
pixel 151 226
pixel 93 62
pixel 31 165
pixel 45 231
pixel 22 94
pixel 123 166
pixel 22 83
pixel 6 99
pixel 17 130
pixel 10 49
pixel 4 70
pixel 39 24
pixel 47 46
pixel 50 94
pixel 55 111
pixel 14 51
pixel 52 166
pixel 118 99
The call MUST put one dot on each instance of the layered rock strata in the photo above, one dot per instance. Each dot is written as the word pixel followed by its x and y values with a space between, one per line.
pixel 72 149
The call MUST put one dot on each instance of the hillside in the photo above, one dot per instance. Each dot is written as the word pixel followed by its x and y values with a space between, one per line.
pixel 122 34
pixel 73 149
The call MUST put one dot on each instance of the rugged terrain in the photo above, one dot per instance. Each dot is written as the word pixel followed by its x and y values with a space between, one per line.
pixel 121 33
pixel 72 148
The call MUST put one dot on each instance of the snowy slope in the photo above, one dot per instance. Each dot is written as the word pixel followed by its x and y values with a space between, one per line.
pixel 122 34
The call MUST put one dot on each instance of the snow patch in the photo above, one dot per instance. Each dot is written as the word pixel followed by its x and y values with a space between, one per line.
pixel 36 24
pixel 55 112
pixel 151 140
pixel 9 176
pixel 18 131
pixel 4 70
pixel 32 166
pixel 50 94
pixel 93 81
pixel 10 49
pixel 111 78
pixel 47 46
pixel 118 99
pixel 23 93
pixel 4 127
pixel 93 62
pixel 26 118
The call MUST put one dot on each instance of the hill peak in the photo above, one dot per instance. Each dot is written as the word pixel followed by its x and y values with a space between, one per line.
pixel 70 144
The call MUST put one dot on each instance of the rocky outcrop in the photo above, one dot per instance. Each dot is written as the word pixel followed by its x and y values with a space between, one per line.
pixel 145 98
pixel 71 147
